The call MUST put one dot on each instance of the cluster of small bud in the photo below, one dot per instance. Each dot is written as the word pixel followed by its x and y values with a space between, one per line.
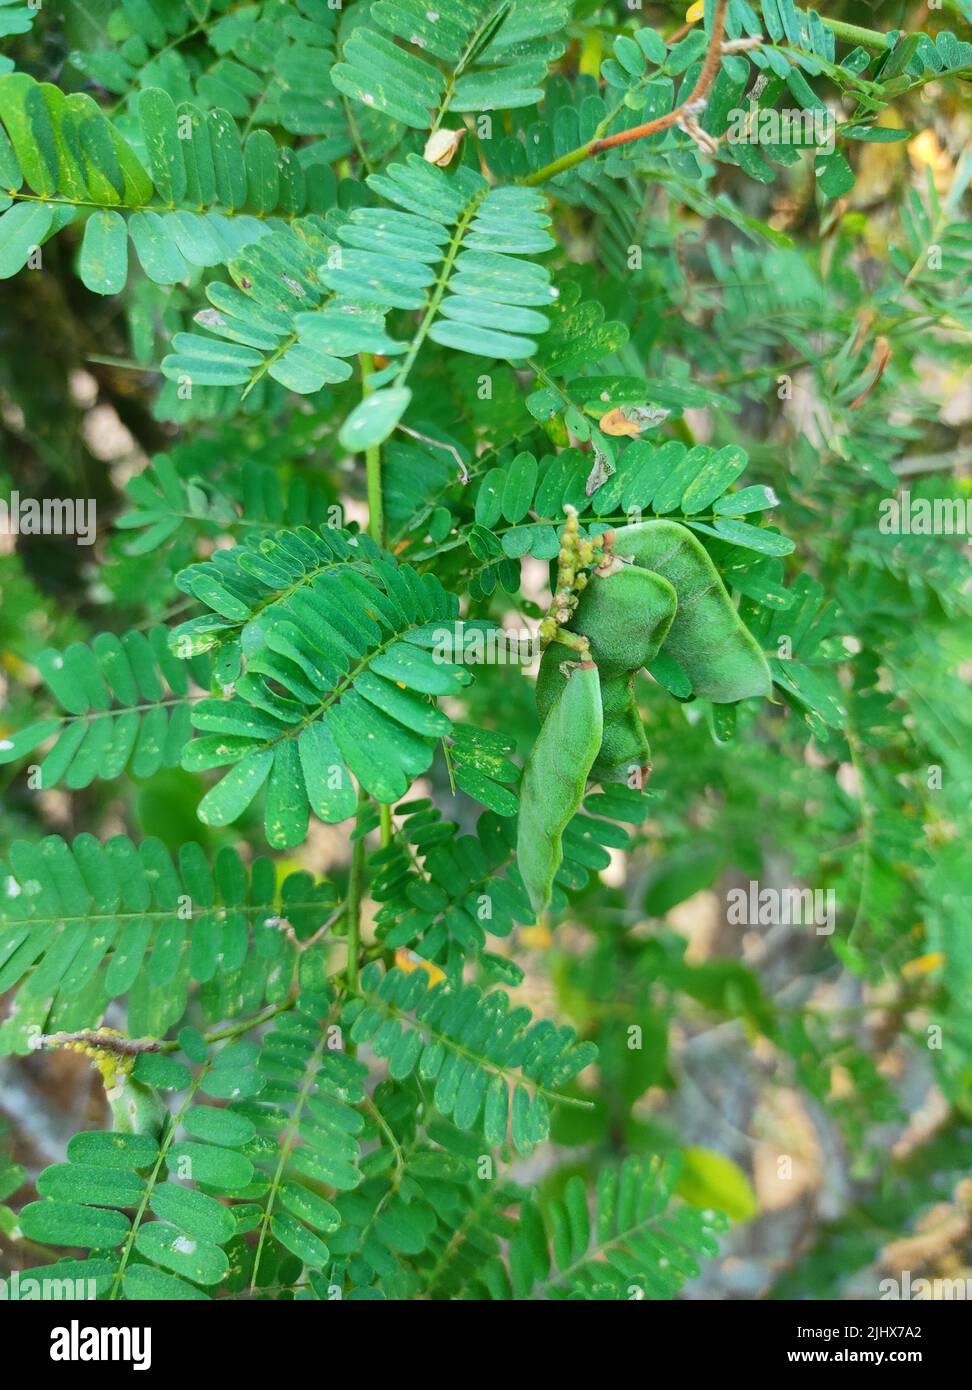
pixel 112 1053
pixel 578 554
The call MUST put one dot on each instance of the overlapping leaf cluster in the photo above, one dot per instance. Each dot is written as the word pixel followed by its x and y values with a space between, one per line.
pixel 321 318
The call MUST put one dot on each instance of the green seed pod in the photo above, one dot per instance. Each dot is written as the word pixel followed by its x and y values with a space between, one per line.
pixel 626 617
pixel 554 779
pixel 707 637
pixel 550 679
pixel 624 744
pixel 135 1107
pixel 625 750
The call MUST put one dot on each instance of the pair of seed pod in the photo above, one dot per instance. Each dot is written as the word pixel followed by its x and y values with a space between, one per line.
pixel 660 591
pixel 656 588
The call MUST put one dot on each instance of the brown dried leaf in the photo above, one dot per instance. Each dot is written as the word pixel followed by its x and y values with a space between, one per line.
pixel 615 423
pixel 442 145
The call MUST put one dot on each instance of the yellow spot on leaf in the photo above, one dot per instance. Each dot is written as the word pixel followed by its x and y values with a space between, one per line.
pixel 409 961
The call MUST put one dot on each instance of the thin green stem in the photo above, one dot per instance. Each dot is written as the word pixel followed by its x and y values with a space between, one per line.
pixel 151 1183
pixel 854 33
pixel 398 1153
pixel 355 134
pixel 287 1145
pixel 202 27
pixel 99 920
pixel 235 1030
pixel 560 166
pixel 17 195
pixel 376 530
pixel 431 1034
pixel 376 503
pixel 468 53
pixel 703 84
pixel 355 894
pixel 851 33
pixel 439 288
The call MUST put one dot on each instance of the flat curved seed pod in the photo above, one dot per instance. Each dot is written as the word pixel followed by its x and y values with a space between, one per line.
pixel 707 637
pixel 624 743
pixel 550 678
pixel 625 753
pixel 554 779
pixel 626 616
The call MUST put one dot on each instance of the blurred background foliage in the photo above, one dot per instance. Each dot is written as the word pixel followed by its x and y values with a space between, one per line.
pixel 834 350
